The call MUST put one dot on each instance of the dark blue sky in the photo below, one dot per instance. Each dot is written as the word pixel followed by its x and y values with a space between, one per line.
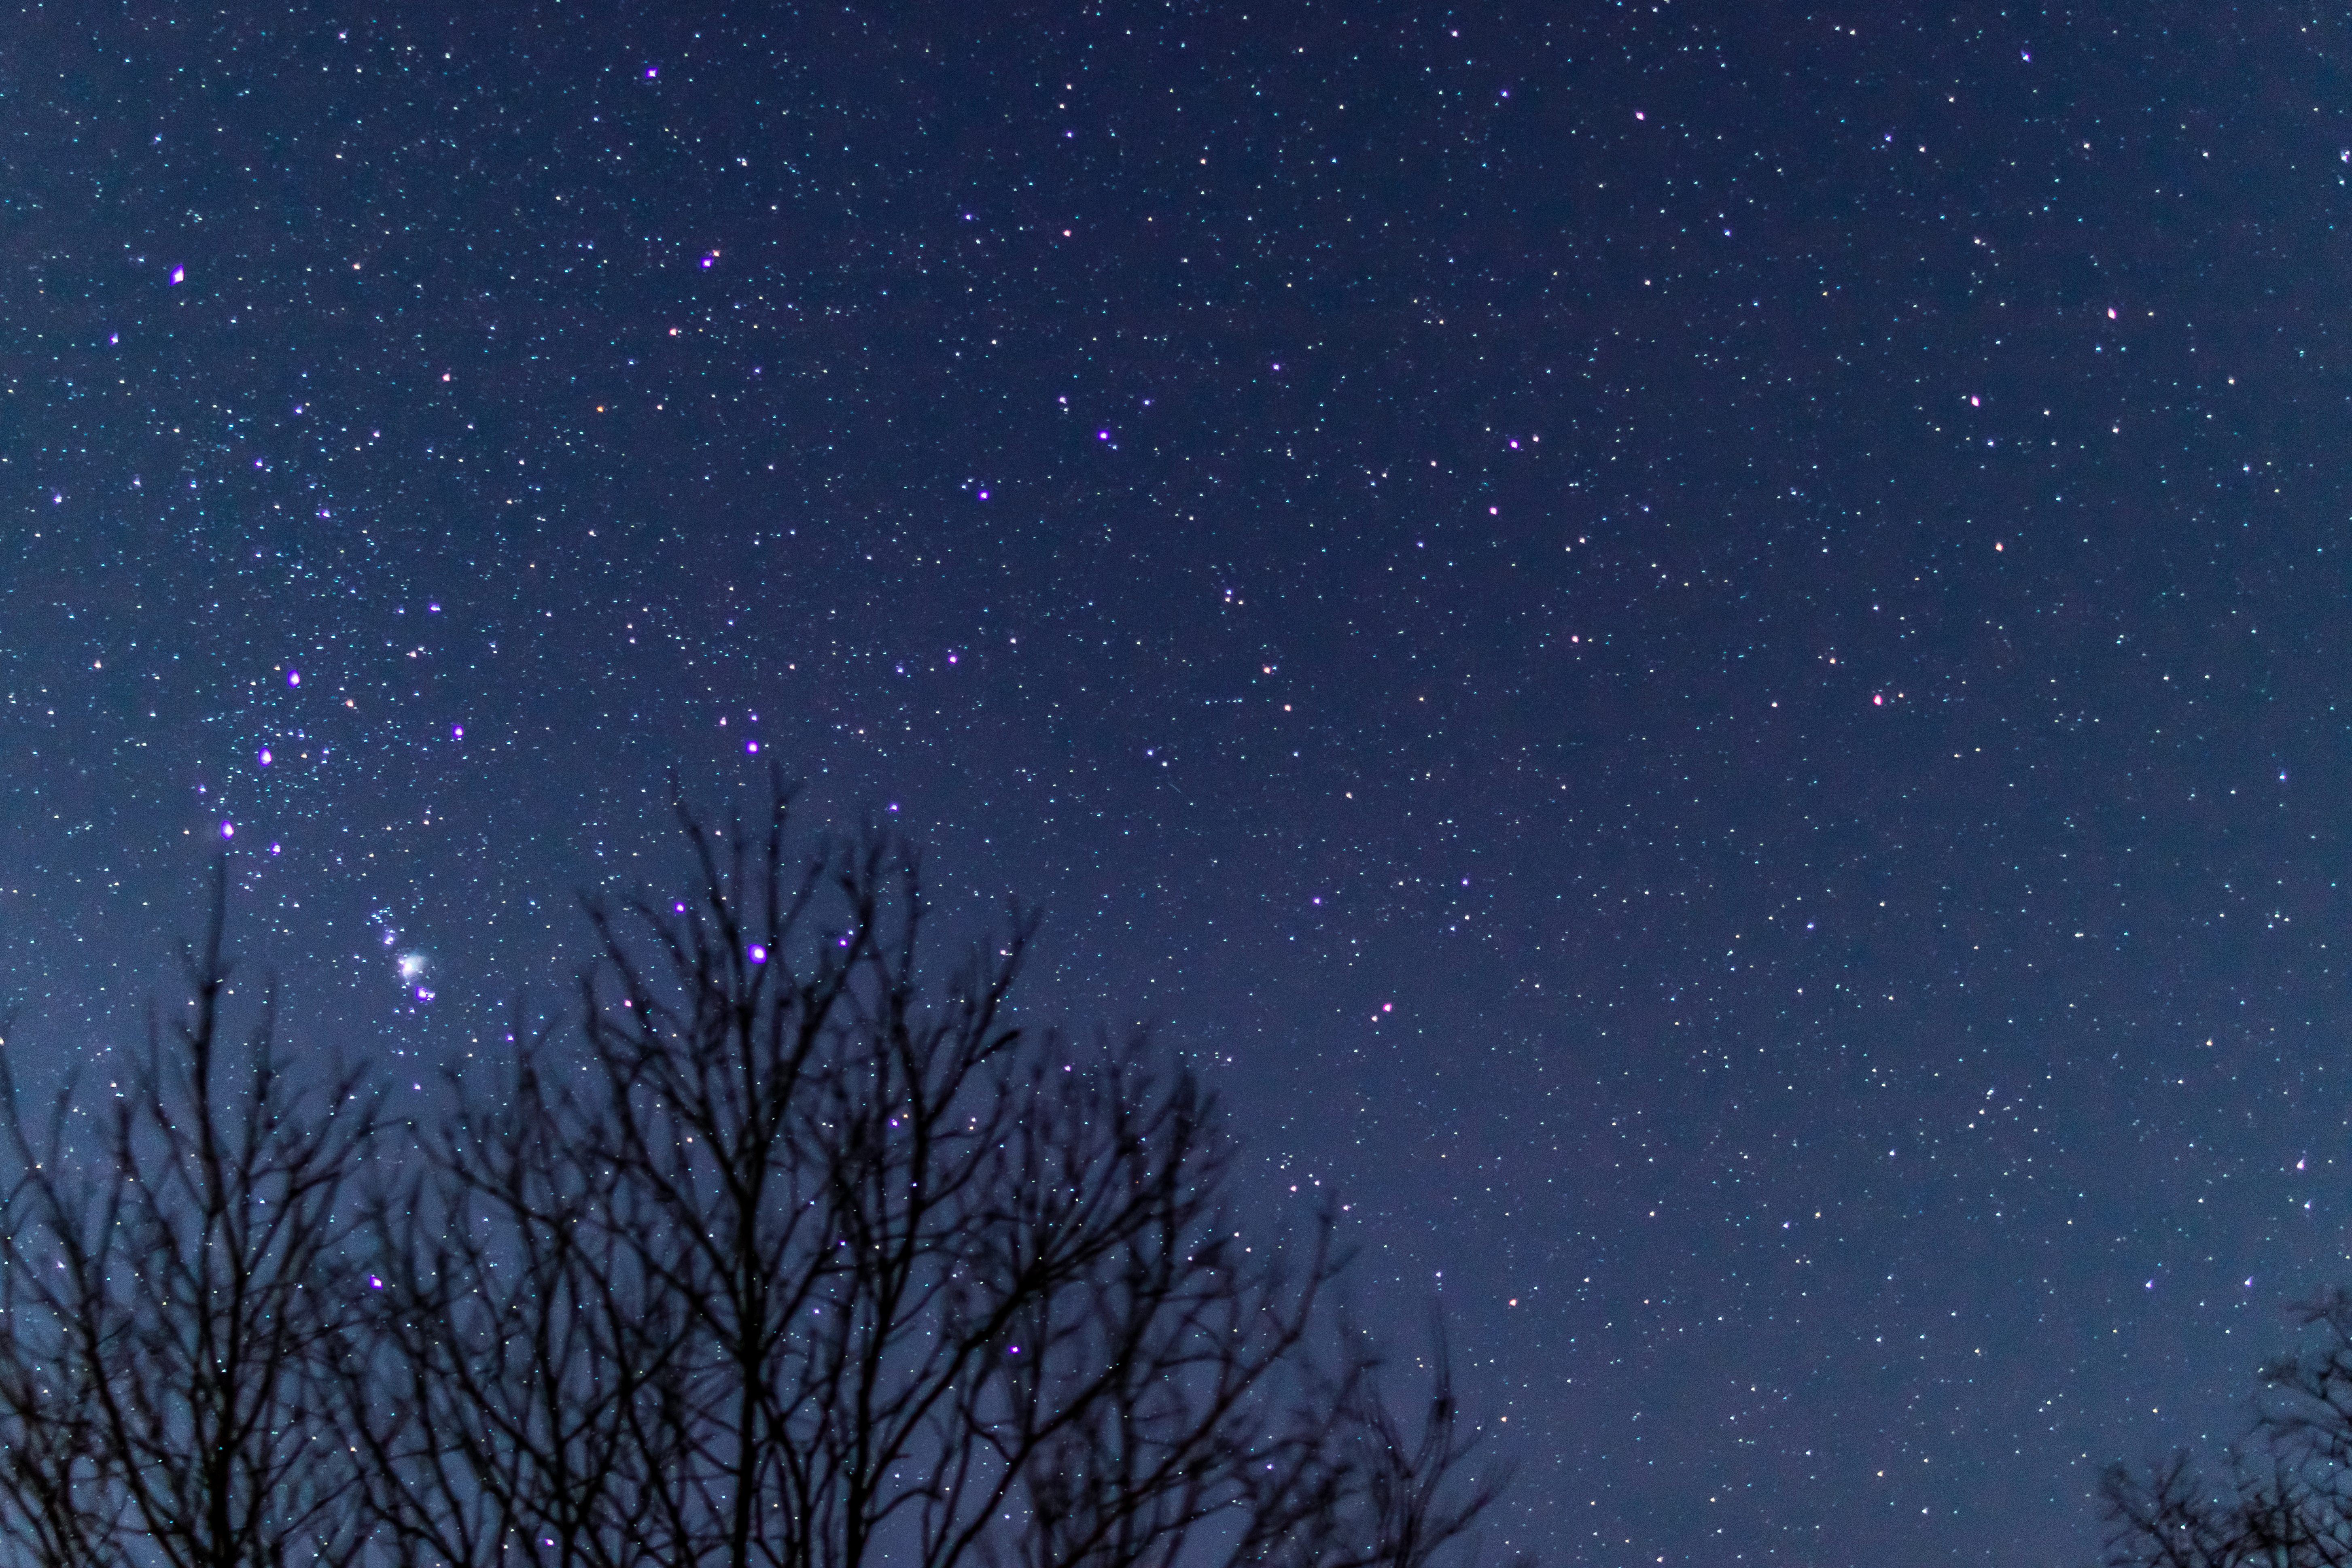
pixel 1695 648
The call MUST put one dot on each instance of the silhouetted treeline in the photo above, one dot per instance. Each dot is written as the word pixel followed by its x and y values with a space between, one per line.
pixel 789 1255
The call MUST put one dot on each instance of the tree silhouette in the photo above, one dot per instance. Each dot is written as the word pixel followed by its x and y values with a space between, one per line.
pixel 2287 1499
pixel 791 1256
pixel 792 1260
pixel 175 1303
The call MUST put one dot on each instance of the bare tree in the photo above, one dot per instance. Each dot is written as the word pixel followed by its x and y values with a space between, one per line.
pixel 174 1303
pixel 2286 1500
pixel 795 1262
pixel 502 1404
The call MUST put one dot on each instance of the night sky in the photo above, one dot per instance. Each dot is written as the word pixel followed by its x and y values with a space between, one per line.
pixel 1693 648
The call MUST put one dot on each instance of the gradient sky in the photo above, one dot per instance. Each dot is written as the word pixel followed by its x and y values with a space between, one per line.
pixel 1694 648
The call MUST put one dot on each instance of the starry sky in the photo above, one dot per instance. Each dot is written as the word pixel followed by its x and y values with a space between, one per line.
pixel 1694 648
